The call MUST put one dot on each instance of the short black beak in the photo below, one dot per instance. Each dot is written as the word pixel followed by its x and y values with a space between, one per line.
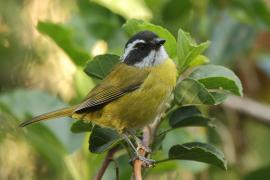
pixel 159 41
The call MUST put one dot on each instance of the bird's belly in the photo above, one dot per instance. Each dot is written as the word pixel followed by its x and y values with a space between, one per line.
pixel 135 110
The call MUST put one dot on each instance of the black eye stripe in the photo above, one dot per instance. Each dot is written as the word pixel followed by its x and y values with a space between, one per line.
pixel 138 45
pixel 144 46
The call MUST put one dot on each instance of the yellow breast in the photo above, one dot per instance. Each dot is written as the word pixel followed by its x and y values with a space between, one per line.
pixel 141 106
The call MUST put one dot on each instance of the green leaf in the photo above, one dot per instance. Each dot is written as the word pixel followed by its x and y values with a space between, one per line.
pixel 101 65
pixel 219 78
pixel 199 60
pixel 133 26
pixel 62 36
pixel 196 151
pixel 103 139
pixel 188 116
pixel 192 92
pixel 219 97
pixel 81 126
pixel 188 50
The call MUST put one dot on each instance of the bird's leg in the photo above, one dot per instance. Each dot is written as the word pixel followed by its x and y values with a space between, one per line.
pixel 146 162
pixel 125 136
pixel 140 144
pixel 138 141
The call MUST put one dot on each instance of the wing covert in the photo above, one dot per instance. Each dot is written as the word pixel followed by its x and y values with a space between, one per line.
pixel 122 80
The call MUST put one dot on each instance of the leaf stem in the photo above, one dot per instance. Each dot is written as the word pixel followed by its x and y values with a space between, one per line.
pixel 163 160
pixel 165 131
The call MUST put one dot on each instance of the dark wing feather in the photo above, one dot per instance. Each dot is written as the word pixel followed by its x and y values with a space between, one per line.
pixel 122 80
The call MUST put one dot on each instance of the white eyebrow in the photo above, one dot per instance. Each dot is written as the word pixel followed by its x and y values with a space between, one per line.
pixel 130 47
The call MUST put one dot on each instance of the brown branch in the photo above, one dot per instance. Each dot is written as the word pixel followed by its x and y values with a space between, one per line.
pixel 250 107
pixel 148 137
pixel 137 166
pixel 105 164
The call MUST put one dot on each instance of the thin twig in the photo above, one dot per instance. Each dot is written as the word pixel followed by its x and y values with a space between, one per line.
pixel 250 107
pixel 163 160
pixel 105 164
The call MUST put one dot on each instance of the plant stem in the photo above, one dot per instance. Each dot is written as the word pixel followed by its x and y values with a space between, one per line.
pixel 164 132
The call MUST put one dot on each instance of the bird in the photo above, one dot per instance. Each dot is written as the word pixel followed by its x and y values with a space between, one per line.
pixel 132 95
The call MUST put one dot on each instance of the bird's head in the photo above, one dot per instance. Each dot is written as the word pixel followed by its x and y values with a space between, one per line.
pixel 144 49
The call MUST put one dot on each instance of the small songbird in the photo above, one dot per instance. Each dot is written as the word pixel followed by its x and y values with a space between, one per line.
pixel 132 94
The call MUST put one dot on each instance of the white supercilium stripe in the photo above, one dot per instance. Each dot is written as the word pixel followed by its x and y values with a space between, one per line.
pixel 130 47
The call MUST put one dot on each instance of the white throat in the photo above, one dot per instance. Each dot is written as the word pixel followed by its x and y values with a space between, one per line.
pixel 155 57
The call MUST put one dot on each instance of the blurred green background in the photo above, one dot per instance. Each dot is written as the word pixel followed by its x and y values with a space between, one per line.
pixel 37 75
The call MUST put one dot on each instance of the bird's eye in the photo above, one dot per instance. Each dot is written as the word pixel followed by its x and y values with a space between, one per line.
pixel 140 45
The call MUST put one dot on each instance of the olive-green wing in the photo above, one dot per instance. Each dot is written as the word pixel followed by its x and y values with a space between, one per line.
pixel 122 80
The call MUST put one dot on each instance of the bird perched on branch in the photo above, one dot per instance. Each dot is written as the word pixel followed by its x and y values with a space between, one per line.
pixel 132 94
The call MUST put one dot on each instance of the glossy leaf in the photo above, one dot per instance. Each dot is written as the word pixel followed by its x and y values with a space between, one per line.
pixel 219 78
pixel 192 92
pixel 188 50
pixel 101 65
pixel 200 152
pixel 80 126
pixel 102 139
pixel 188 116
pixel 133 26
pixel 219 97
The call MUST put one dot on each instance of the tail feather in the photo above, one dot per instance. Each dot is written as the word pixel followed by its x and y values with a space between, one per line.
pixel 50 115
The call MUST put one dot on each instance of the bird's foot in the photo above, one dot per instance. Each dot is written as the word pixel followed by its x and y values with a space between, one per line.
pixel 146 149
pixel 148 163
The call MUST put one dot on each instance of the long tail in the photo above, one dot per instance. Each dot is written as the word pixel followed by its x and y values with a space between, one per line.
pixel 54 114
